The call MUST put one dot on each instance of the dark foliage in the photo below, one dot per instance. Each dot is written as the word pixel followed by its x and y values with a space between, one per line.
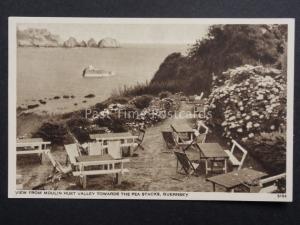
pixel 143 101
pixel 78 127
pixel 52 132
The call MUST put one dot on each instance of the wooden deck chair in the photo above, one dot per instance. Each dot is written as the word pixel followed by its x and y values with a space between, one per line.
pixel 167 135
pixel 270 184
pixel 57 166
pixel 202 129
pixel 140 139
pixel 187 166
pixel 72 152
pixel 234 160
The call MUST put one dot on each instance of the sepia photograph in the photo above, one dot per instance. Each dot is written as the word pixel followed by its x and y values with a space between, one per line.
pixel 132 108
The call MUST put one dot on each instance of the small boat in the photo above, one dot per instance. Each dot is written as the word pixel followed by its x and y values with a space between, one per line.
pixel 91 71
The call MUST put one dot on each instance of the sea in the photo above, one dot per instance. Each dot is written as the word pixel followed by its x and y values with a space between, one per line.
pixel 44 73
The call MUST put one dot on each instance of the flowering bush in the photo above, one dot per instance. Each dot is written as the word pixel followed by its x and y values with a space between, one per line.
pixel 247 101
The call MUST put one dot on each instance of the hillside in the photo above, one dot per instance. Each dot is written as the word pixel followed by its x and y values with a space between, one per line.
pixel 224 47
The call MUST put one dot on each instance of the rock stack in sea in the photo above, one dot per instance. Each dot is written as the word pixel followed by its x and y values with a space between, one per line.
pixel 82 44
pixel 71 43
pixel 92 43
pixel 108 43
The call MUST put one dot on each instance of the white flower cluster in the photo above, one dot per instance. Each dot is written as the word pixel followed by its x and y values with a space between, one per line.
pixel 252 99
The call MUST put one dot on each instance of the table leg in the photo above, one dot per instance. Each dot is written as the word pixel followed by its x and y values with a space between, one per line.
pixel 41 158
pixel 118 178
pixel 206 167
pixel 214 187
pixel 225 166
pixel 84 181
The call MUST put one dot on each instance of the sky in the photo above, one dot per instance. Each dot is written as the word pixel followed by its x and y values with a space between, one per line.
pixel 127 33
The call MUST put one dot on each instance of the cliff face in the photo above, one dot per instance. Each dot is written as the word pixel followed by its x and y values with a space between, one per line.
pixel 179 74
pixel 108 43
pixel 37 38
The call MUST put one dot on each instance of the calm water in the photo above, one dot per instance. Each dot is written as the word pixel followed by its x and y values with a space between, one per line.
pixel 43 73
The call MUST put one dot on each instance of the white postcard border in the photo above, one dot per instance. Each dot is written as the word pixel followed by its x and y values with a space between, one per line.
pixel 151 195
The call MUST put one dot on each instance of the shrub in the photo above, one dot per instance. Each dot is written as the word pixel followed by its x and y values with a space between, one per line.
pixel 51 132
pixel 143 101
pixel 77 126
pixel 119 99
pixel 114 123
pixel 249 105
pixel 270 149
pixel 164 94
pixel 100 106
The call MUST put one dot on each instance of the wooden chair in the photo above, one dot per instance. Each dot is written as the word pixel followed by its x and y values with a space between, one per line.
pixel 188 166
pixel 140 139
pixel 57 167
pixel 72 153
pixel 203 131
pixel 233 159
pixel 168 138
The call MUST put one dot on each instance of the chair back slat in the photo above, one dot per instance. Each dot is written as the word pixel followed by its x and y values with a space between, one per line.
pixel 203 131
pixel 184 161
pixel 72 152
pixel 141 135
pixel 95 148
pixel 114 149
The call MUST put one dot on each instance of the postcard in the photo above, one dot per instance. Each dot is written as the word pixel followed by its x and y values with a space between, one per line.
pixel 151 108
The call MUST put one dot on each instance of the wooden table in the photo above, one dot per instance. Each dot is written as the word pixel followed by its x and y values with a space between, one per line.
pixel 124 137
pixel 180 130
pixel 236 178
pixel 212 152
pixel 127 139
pixel 91 158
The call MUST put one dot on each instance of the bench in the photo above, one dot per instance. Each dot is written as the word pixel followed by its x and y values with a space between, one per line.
pixel 233 159
pixel 33 146
pixel 270 180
